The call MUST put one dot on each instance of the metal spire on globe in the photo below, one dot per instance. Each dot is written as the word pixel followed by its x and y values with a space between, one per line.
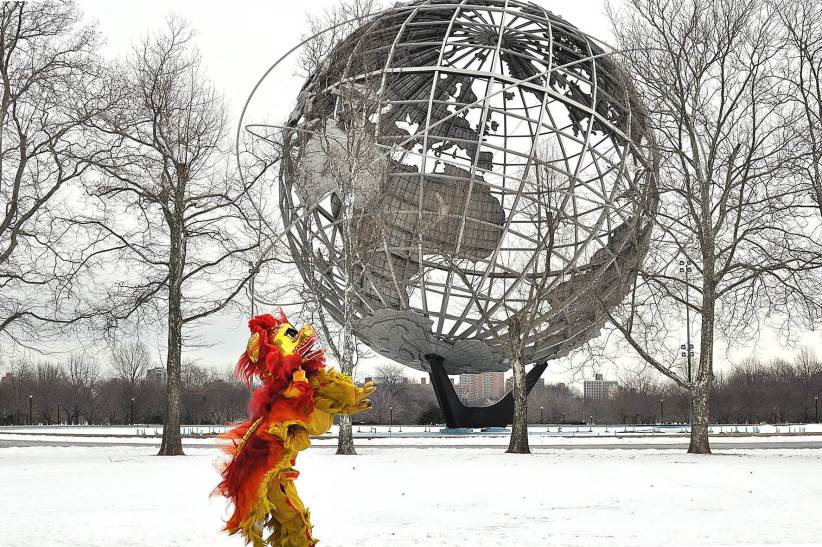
pixel 452 165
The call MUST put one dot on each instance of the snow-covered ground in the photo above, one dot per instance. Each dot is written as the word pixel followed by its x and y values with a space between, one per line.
pixel 114 495
pixel 476 440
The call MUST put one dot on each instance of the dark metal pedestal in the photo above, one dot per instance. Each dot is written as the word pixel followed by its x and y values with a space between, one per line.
pixel 457 415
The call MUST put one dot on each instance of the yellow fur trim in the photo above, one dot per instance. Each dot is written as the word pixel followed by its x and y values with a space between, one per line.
pixel 253 347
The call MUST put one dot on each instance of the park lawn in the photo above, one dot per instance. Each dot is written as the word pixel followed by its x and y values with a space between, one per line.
pixel 391 497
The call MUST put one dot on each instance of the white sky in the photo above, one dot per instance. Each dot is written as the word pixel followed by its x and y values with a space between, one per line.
pixel 238 41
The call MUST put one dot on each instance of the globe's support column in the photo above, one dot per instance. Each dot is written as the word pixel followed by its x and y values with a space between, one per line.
pixel 457 415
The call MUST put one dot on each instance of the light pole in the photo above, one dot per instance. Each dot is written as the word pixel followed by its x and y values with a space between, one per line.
pixel 541 415
pixel 563 417
pixel 253 272
pixel 661 411
pixel 31 398
pixel 58 413
pixel 132 411
pixel 816 403
pixel 390 418
pixel 685 268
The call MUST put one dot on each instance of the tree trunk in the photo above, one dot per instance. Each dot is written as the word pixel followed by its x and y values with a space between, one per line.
pixel 519 427
pixel 345 438
pixel 345 441
pixel 700 419
pixel 172 444
pixel 701 390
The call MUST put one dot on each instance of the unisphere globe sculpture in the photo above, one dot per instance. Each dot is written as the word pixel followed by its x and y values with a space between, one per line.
pixel 457 165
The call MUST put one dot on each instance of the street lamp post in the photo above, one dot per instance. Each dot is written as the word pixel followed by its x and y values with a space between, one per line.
pixel 58 413
pixel 390 418
pixel 685 268
pixel 661 411
pixel 816 403
pixel 31 398
pixel 541 415
pixel 253 272
pixel 132 411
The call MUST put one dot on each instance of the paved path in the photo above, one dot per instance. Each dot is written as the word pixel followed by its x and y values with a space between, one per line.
pixel 717 445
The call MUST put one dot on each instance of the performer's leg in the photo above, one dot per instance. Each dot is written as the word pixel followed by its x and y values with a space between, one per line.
pixel 290 519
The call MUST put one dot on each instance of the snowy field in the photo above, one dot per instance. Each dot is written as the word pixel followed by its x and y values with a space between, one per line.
pixel 118 495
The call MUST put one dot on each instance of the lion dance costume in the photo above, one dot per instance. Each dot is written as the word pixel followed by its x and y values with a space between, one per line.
pixel 298 397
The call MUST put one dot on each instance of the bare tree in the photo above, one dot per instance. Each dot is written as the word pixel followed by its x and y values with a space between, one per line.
pixel 130 362
pixel 82 375
pixel 340 154
pixel 515 321
pixel 181 218
pixel 390 399
pixel 330 28
pixel 637 396
pixel 111 403
pixel 49 90
pixel 47 390
pixel 21 385
pixel 558 403
pixel 547 215
pixel 356 171
pixel 802 69
pixel 731 216
pixel 807 373
pixel 390 375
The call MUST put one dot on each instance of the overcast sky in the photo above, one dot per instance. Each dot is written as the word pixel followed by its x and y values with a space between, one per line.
pixel 238 41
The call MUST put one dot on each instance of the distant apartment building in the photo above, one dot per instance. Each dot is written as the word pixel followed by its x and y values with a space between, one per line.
pixel 460 389
pixel 481 388
pixel 469 387
pixel 493 385
pixel 157 375
pixel 8 379
pixel 599 388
